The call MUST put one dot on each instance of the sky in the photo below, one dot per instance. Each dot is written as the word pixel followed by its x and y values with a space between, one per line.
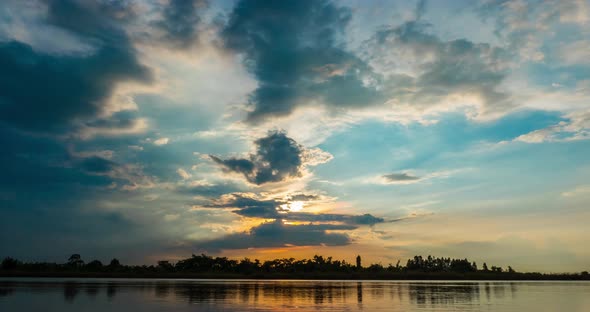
pixel 154 129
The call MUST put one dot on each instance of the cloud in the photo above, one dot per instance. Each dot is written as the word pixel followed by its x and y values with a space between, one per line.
pixel 577 127
pixel 300 60
pixel 208 189
pixel 420 9
pixel 183 174
pixel 400 177
pixel 576 53
pixel 365 219
pixel 127 176
pixel 278 234
pixel 409 178
pixel 180 22
pixel 249 205
pixel 48 92
pixel 123 123
pixel 48 192
pixel 161 141
pixel 50 172
pixel 171 217
pixel 277 158
pixel 97 164
pixel 423 71
pixel 33 165
pixel 580 190
pixel 294 50
pixel 526 25
pixel 304 197
pixel 316 156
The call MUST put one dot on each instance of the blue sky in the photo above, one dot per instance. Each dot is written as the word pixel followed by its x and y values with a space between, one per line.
pixel 154 129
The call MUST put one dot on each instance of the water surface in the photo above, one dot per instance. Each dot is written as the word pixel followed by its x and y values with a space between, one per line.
pixel 24 294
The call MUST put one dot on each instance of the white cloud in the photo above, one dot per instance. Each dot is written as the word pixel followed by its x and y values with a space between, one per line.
pixel 576 128
pixel 208 134
pixel 183 174
pixel 161 141
pixel 316 156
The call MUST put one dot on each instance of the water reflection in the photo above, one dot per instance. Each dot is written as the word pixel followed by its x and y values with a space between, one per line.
pixel 111 290
pixel 444 294
pixel 280 295
pixel 71 290
pixel 6 291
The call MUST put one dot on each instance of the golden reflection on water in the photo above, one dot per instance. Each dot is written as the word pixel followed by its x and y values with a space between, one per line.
pixel 207 295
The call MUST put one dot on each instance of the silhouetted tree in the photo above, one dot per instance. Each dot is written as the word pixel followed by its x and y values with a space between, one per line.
pixel 9 263
pixel 418 266
pixel 94 265
pixel 432 264
pixel 166 266
pixel 75 260
pixel 375 268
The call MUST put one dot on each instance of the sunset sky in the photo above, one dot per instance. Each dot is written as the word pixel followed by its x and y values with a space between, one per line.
pixel 148 130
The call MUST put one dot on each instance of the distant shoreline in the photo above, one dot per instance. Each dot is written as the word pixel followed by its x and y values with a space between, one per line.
pixel 311 276
pixel 316 268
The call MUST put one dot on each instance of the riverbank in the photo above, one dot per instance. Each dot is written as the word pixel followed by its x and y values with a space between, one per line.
pixel 479 276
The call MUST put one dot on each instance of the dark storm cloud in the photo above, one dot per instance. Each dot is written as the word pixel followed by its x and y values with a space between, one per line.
pixel 277 234
pixel 304 197
pixel 396 177
pixel 102 19
pixel 43 199
pixel 293 49
pixel 37 167
pixel 279 209
pixel 180 21
pixel 277 158
pixel 243 166
pixel 119 120
pixel 51 201
pixel 250 207
pixel 46 92
pixel 49 195
pixel 97 164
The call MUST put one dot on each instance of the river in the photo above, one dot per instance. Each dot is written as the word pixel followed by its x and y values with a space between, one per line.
pixel 28 294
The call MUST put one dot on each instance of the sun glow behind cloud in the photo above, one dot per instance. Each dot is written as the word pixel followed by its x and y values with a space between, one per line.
pixel 292 206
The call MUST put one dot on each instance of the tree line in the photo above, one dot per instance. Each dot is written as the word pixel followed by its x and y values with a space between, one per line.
pixel 319 265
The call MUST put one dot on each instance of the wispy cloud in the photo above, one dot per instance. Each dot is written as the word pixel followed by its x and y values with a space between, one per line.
pixel 411 178
pixel 578 191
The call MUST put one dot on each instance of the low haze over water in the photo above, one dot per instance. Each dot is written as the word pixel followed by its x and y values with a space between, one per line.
pixel 23 294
